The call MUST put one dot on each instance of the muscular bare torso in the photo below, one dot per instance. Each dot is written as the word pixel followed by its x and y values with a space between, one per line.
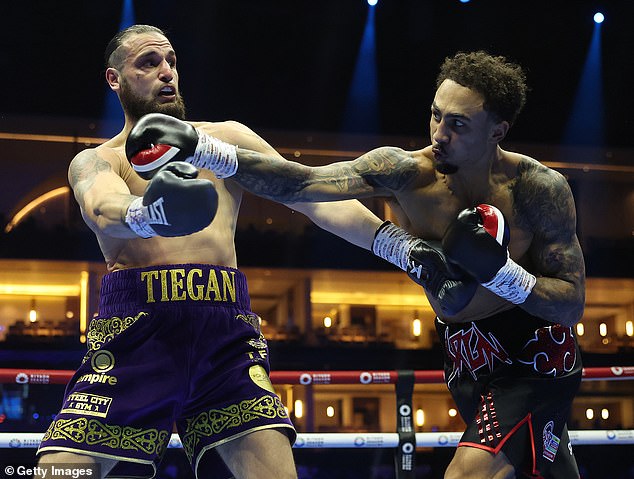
pixel 212 245
pixel 536 201
pixel 427 206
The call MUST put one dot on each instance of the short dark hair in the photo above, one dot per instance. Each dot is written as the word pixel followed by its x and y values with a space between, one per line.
pixel 501 82
pixel 109 57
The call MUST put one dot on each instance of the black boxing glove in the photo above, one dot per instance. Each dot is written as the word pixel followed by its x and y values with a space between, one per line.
pixel 427 265
pixel 158 139
pixel 175 203
pixel 478 241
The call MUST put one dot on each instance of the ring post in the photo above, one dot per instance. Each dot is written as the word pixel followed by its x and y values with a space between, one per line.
pixel 405 454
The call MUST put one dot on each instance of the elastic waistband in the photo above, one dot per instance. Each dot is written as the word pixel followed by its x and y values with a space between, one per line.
pixel 192 284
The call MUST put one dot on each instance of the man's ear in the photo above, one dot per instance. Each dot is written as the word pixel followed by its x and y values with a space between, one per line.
pixel 499 131
pixel 112 77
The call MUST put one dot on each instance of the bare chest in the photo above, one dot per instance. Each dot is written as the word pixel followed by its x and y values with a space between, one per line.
pixel 427 212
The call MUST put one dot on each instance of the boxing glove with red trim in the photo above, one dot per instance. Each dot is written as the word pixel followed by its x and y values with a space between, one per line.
pixel 158 139
pixel 477 240
pixel 427 265
pixel 175 203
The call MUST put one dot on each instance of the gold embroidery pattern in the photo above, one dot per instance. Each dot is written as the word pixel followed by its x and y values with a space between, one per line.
pixel 95 433
pixel 252 319
pixel 215 421
pixel 102 330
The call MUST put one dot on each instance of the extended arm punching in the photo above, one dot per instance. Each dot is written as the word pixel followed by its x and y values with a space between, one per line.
pixel 158 139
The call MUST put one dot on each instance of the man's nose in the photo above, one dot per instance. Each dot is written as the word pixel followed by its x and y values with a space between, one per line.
pixel 440 134
pixel 165 72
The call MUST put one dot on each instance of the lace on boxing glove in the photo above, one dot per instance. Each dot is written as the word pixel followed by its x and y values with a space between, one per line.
pixel 512 282
pixel 215 155
pixel 393 244
pixel 138 218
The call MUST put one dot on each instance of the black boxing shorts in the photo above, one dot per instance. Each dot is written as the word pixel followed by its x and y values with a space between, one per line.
pixel 173 344
pixel 513 377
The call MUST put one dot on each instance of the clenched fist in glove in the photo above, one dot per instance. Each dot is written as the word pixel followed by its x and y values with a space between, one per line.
pixel 159 139
pixel 427 265
pixel 175 203
pixel 477 240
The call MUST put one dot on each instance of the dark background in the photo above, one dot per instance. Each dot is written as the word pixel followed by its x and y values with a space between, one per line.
pixel 285 69
pixel 288 64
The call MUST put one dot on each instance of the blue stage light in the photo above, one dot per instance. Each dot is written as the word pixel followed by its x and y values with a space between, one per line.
pixel 598 17
pixel 372 2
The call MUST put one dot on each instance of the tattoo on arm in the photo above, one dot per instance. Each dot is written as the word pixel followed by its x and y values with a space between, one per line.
pixel 386 169
pixel 83 170
pixel 544 204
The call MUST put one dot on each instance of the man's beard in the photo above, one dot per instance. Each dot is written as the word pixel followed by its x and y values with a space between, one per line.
pixel 445 168
pixel 136 107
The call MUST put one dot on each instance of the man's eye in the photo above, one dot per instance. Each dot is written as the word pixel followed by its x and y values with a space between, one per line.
pixel 458 123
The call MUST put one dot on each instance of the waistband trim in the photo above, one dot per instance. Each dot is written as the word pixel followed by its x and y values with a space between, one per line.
pixel 160 285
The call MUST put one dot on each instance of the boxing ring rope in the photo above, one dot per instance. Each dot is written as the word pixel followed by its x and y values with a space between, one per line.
pixel 53 376
pixel 404 442
pixel 353 440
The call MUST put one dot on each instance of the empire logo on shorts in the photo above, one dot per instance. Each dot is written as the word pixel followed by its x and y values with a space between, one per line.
pixel 551 442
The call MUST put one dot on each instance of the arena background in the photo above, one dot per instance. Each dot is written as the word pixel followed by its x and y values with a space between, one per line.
pixel 321 81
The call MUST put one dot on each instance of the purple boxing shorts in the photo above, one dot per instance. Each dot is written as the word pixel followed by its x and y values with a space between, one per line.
pixel 173 344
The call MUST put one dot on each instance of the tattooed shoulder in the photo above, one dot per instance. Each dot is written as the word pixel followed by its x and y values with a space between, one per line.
pixel 84 167
pixel 541 198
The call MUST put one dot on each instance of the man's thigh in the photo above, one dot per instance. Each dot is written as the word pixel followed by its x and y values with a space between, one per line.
pixel 63 459
pixel 263 454
pixel 474 463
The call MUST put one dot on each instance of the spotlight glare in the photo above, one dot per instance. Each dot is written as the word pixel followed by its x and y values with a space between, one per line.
pixel 372 2
pixel 598 17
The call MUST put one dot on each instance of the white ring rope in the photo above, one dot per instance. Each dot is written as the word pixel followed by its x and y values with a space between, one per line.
pixel 353 440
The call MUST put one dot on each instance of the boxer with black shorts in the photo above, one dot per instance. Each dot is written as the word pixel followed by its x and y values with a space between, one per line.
pixel 174 341
pixel 503 220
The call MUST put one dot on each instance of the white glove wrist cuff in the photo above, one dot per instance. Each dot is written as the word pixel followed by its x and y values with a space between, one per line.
pixel 215 155
pixel 393 244
pixel 512 282
pixel 137 218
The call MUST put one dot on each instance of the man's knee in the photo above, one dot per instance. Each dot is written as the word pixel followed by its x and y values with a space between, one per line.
pixel 474 463
pixel 262 454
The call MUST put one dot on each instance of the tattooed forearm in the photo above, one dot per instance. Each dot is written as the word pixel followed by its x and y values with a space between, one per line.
pixel 281 180
pixel 270 176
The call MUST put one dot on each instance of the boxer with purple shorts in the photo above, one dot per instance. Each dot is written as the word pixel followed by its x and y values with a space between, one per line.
pixel 172 344
pixel 174 340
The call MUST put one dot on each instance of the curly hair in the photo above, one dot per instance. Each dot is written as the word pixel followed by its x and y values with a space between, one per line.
pixel 501 82
pixel 110 56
